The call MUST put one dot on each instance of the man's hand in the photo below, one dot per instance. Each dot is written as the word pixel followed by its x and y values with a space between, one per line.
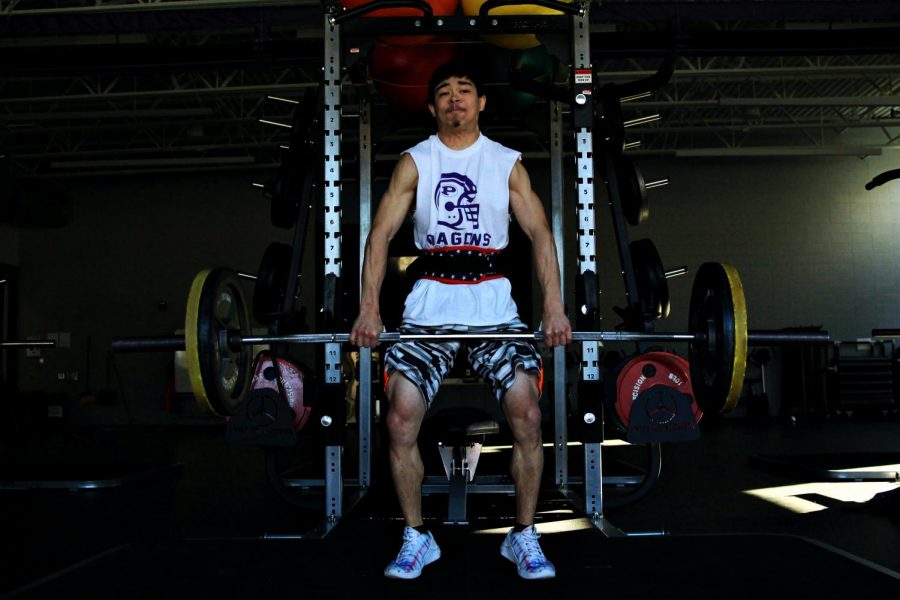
pixel 557 329
pixel 366 330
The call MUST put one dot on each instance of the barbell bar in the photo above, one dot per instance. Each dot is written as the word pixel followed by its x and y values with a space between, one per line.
pixel 28 344
pixel 219 360
pixel 235 339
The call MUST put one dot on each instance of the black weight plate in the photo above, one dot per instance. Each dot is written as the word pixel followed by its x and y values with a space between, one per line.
pixel 284 192
pixel 718 358
pixel 299 160
pixel 305 126
pixel 650 276
pixel 271 282
pixel 609 125
pixel 219 374
pixel 632 191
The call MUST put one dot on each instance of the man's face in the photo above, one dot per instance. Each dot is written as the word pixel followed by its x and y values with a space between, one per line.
pixel 456 103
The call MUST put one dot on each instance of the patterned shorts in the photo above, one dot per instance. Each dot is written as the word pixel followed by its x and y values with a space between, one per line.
pixel 426 364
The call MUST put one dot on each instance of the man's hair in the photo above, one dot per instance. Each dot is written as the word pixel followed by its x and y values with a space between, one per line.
pixel 454 68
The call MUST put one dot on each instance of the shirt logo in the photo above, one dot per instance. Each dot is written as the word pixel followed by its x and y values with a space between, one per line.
pixel 454 198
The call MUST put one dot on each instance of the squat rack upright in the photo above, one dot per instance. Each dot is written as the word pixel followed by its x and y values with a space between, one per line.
pixel 574 22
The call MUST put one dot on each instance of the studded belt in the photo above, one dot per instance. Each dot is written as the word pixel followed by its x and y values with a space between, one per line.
pixel 458 265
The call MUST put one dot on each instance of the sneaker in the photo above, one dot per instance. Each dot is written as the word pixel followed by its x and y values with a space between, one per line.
pixel 524 550
pixel 417 551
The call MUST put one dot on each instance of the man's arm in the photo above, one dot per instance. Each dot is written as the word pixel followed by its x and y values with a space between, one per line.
pixel 529 212
pixel 392 210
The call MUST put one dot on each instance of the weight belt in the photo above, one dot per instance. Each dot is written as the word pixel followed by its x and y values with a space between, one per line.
pixel 457 266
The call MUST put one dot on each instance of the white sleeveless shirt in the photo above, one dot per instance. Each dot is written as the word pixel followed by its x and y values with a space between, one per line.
pixel 462 202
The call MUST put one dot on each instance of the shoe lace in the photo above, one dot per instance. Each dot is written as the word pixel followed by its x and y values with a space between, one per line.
pixel 409 550
pixel 533 551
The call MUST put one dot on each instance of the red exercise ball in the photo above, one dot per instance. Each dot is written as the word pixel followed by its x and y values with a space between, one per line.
pixel 401 72
pixel 440 8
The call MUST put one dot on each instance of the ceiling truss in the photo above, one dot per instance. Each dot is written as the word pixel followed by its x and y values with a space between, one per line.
pixel 123 86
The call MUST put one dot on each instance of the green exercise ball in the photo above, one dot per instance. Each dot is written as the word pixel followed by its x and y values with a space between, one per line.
pixel 497 63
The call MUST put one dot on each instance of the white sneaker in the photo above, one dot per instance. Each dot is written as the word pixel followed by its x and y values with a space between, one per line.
pixel 417 551
pixel 524 550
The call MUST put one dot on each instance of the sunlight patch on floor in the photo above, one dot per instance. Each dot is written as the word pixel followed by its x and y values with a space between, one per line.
pixel 500 448
pixel 790 496
pixel 551 527
pixel 879 468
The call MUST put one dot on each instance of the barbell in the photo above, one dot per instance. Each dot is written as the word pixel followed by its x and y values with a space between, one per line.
pixel 14 344
pixel 218 346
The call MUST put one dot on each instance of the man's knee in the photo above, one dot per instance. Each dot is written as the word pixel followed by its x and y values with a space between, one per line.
pixel 406 409
pixel 521 402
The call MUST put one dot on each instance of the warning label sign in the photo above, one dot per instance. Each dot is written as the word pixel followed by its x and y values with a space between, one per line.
pixel 583 75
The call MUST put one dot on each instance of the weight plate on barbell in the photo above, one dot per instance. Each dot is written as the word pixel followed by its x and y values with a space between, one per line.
pixel 718 357
pixel 271 282
pixel 650 276
pixel 219 374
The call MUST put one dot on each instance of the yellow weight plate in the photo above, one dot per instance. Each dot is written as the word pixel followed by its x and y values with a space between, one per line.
pixel 191 342
pixel 515 41
pixel 718 355
pixel 740 338
pixel 219 375
pixel 472 7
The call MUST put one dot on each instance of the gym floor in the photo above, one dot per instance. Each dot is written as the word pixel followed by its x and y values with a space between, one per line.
pixel 207 521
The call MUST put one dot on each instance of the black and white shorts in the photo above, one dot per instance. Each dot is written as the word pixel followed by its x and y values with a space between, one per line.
pixel 426 364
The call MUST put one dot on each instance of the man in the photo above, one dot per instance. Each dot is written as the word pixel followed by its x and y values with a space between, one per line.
pixel 462 186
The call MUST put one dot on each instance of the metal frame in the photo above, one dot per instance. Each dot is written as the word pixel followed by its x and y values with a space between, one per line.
pixel 331 127
pixel 592 480
pixel 557 204
pixel 587 242
pixel 364 421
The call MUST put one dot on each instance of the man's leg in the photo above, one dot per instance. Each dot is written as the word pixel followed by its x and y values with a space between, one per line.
pixel 416 371
pixel 520 404
pixel 404 419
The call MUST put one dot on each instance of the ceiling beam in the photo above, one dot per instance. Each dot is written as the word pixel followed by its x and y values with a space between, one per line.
pixel 688 40
pixel 773 151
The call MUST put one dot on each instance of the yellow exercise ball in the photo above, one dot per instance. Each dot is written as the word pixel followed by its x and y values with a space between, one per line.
pixel 515 41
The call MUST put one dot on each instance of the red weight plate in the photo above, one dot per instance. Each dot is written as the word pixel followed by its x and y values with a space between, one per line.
pixel 649 369
pixel 291 381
